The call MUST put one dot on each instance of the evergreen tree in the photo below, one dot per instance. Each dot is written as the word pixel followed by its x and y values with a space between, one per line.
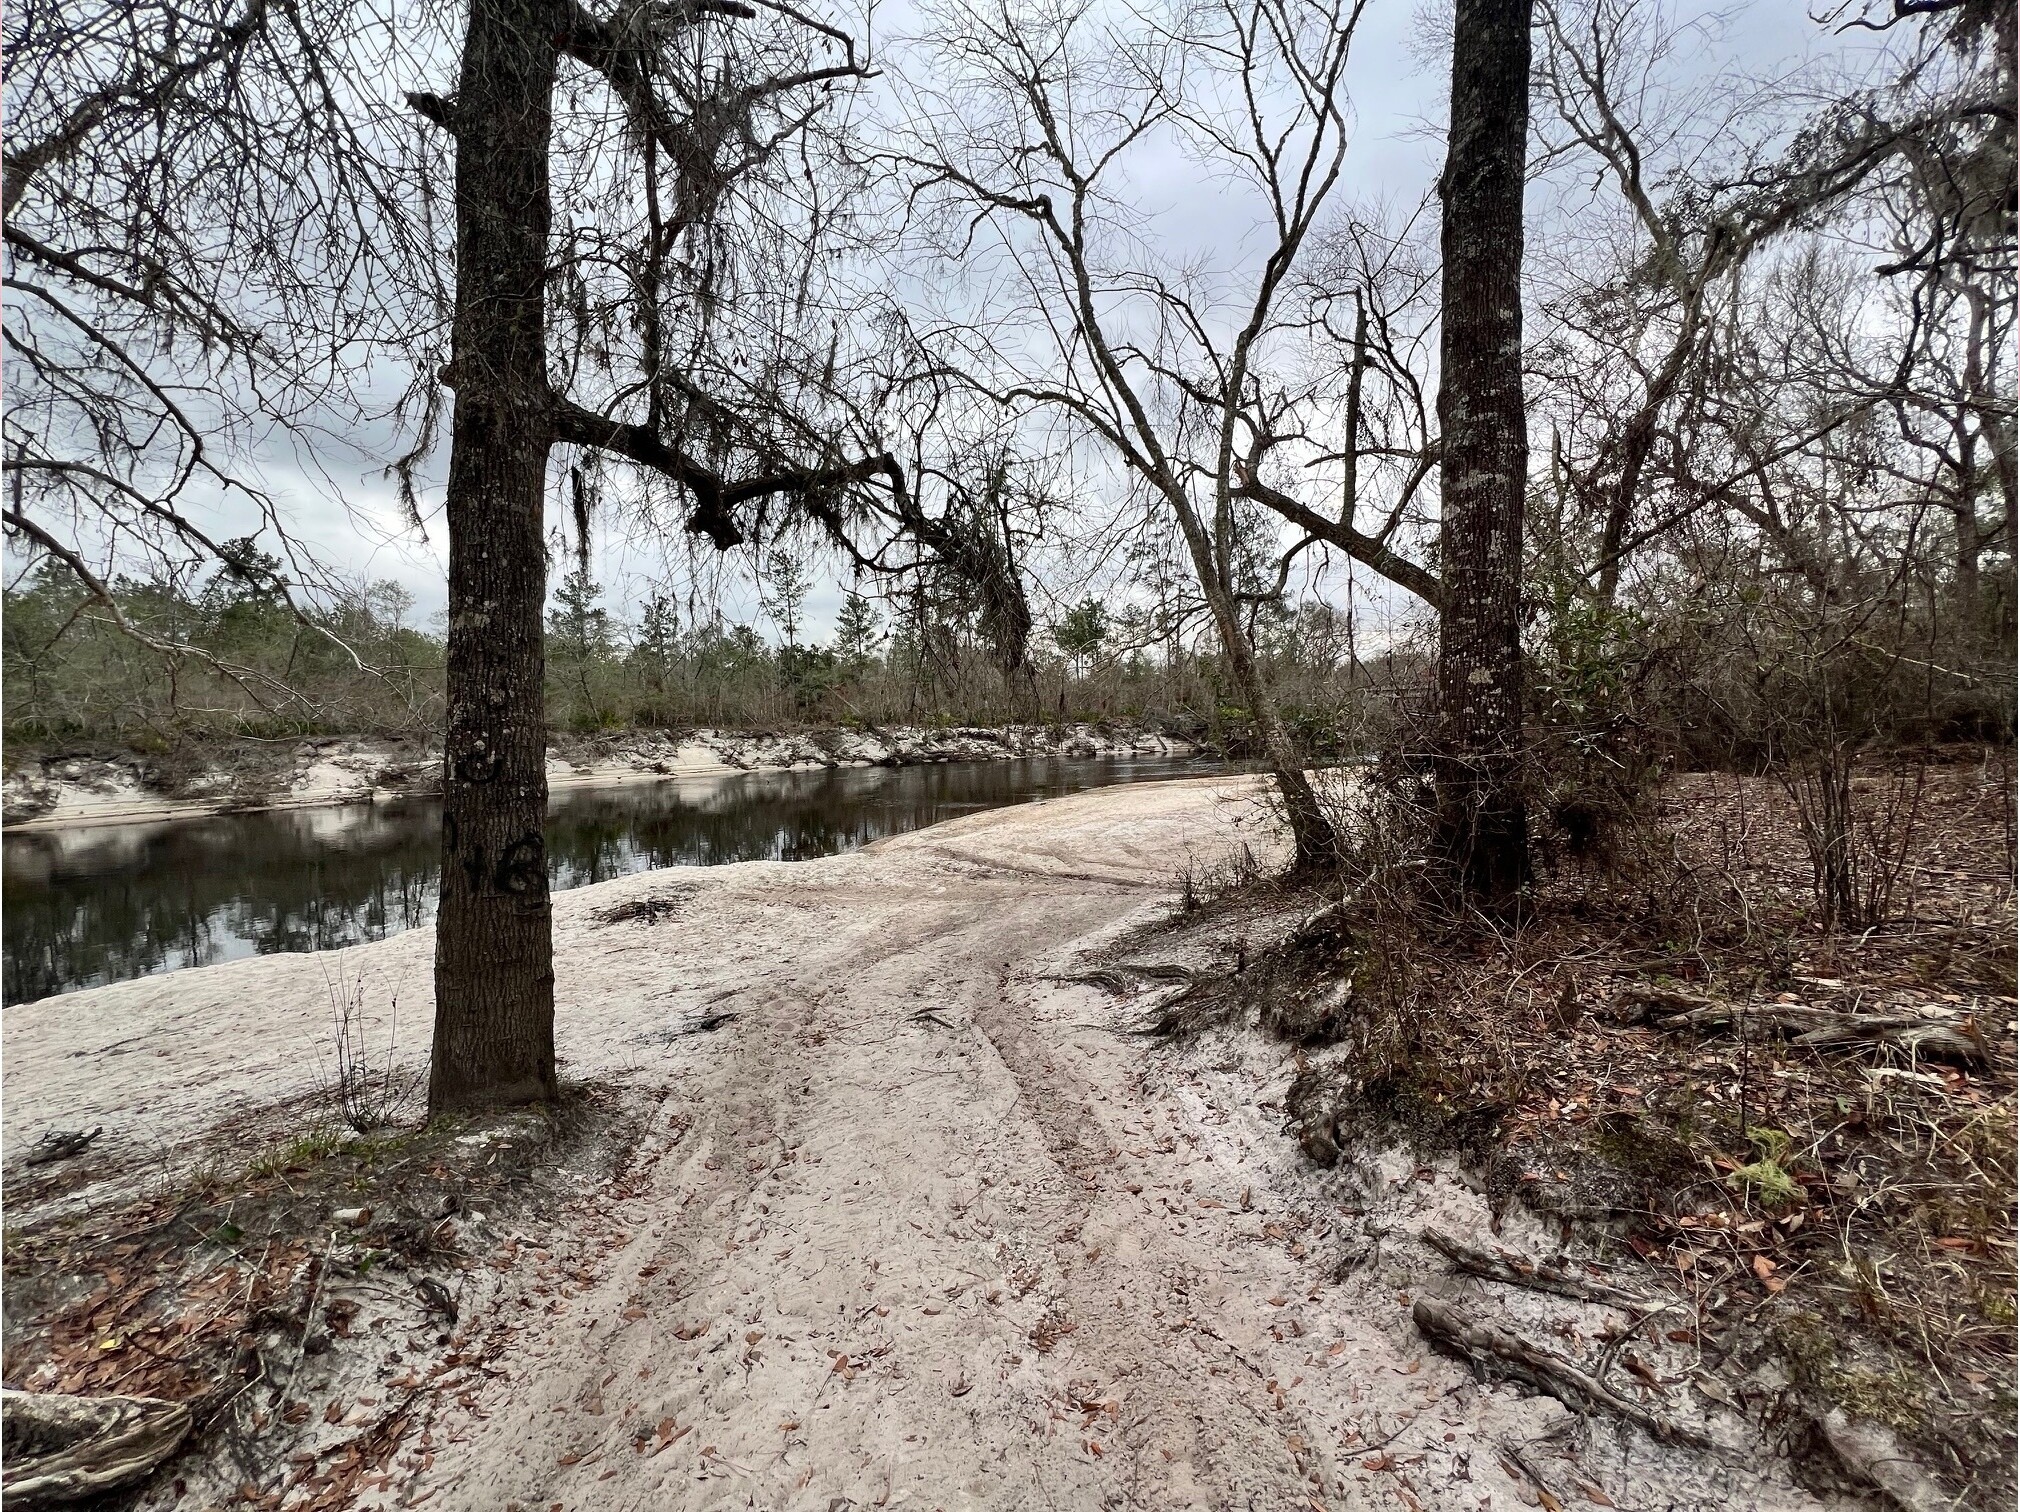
pixel 1082 633
pixel 581 639
pixel 786 599
pixel 857 634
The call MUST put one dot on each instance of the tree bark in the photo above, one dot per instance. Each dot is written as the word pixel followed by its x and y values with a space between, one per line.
pixel 494 951
pixel 1482 821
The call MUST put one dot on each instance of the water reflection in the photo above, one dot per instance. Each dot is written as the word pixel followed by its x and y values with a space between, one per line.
pixel 88 906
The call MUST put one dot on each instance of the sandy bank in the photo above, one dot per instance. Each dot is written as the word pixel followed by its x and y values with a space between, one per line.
pixel 71 790
pixel 916 1221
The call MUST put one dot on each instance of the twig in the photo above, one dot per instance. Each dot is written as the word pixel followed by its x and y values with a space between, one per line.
pixel 309 1319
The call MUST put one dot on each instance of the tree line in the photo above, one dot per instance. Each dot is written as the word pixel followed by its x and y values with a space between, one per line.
pixel 366 665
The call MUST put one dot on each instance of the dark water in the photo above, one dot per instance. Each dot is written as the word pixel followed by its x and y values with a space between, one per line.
pixel 88 906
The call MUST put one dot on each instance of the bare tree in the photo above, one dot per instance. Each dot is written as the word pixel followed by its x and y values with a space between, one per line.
pixel 1023 144
pixel 1657 309
pixel 1370 311
pixel 204 231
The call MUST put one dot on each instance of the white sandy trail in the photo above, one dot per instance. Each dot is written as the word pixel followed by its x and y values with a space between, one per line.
pixel 998 1256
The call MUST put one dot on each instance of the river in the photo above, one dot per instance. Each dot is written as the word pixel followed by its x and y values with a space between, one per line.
pixel 87 906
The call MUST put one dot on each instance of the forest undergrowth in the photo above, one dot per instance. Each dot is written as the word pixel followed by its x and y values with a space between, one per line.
pixel 1792 1122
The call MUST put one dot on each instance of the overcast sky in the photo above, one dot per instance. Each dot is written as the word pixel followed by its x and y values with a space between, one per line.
pixel 344 507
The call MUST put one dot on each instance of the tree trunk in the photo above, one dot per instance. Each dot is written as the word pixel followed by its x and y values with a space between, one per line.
pixel 1315 842
pixel 1482 823
pixel 1970 545
pixel 494 949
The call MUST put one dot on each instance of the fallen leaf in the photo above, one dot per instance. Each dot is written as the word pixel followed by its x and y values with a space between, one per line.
pixel 1642 1370
pixel 674 1437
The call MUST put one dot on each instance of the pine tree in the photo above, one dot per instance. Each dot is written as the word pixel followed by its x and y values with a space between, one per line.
pixel 857 634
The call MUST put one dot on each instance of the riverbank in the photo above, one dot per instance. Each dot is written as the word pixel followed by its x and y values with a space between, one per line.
pixel 70 789
pixel 895 1205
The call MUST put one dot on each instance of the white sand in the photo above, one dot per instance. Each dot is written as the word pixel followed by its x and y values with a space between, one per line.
pixel 1060 1266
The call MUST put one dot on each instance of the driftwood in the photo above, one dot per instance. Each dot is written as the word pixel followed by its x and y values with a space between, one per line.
pixel 1658 1000
pixel 1828 1029
pixel 62 1449
pixel 1918 1037
pixel 1519 1270
pixel 1707 1015
pixel 1163 971
pixel 1496 1351
pixel 1318 925
pixel 1107 978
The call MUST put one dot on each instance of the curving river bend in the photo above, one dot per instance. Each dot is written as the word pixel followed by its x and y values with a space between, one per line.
pixel 87 906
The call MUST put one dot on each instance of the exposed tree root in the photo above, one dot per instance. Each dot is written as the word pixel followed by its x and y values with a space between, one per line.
pixel 64 1448
pixel 1519 1270
pixel 1496 1351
